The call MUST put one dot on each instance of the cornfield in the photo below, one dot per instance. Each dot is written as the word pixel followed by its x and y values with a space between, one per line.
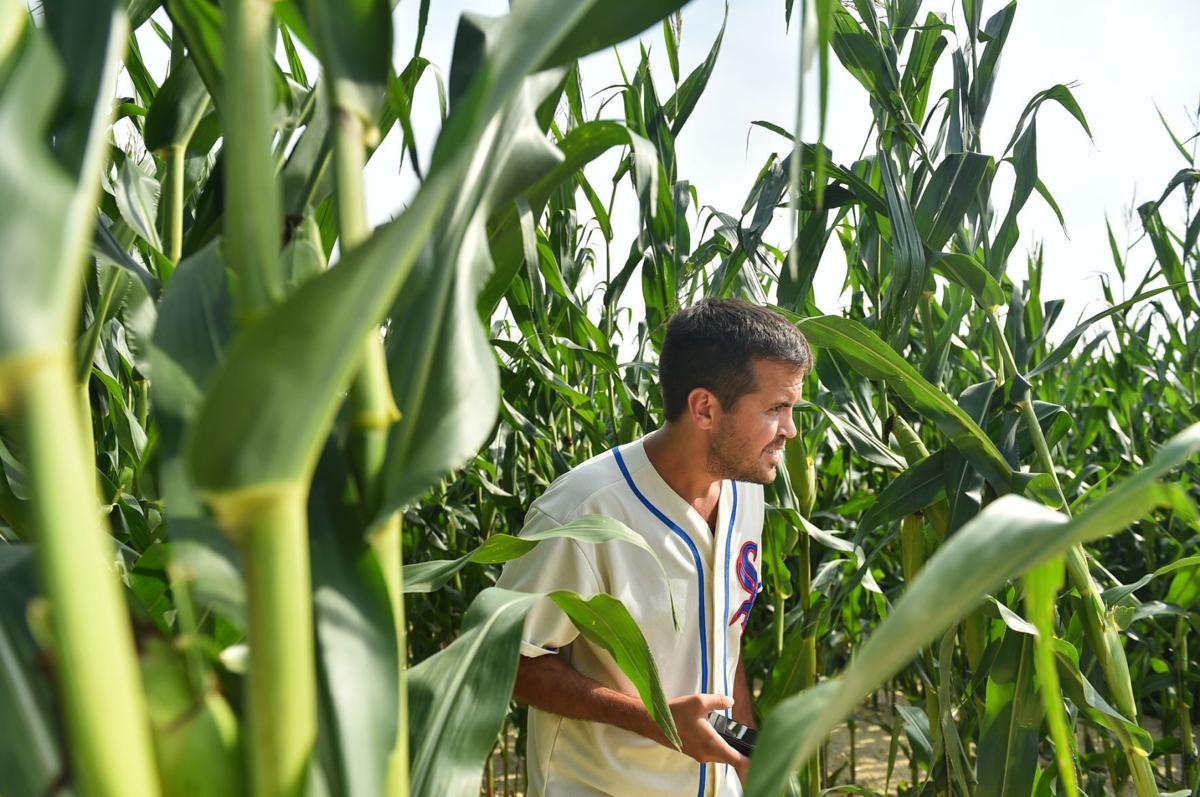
pixel 259 462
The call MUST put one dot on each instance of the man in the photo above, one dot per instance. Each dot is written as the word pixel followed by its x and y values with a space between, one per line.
pixel 731 373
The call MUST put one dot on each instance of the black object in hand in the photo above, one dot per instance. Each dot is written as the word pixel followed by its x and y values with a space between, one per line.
pixel 738 736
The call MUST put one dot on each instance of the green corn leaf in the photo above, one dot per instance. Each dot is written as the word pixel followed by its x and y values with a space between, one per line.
pixel 400 93
pixel 499 548
pixel 969 273
pixel 1045 194
pixel 951 191
pixel 356 652
pixel 31 759
pixel 447 413
pixel 579 147
pixel 203 28
pixel 1118 259
pixel 1169 260
pixel 144 84
pixel 834 543
pixel 810 154
pixel 108 251
pixel 920 486
pixel 14 511
pixel 950 740
pixel 306 179
pixel 1179 147
pixel 1058 93
pixel 1042 585
pixel 1008 538
pixel 422 23
pixel 779 539
pixel 927 47
pixel 191 333
pixel 160 32
pixel 861 439
pixel 681 104
pixel 1011 724
pixel 354 42
pixel 252 223
pixel 605 24
pixel 985 76
pixel 937 356
pixel 916 727
pixel 1067 345
pixel 39 276
pixel 876 360
pixel 1185 587
pixel 860 53
pixel 908 255
pixel 1085 697
pixel 1114 595
pixel 1024 161
pixel 84 36
pixel 458 698
pixel 137 199
pixel 139 11
pixel 811 239
pixel 291 15
pixel 295 65
pixel 177 108
pixel 193 329
pixel 1013 621
pixel 961 129
pixel 195 735
pixel 606 623
pixel 1187 179
pixel 973 13
pixel 672 44
pixel 294 362
pixel 788 674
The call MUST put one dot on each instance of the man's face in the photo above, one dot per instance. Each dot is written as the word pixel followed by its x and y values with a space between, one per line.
pixel 746 443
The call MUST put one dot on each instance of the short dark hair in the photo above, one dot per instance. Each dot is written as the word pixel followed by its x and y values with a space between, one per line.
pixel 713 344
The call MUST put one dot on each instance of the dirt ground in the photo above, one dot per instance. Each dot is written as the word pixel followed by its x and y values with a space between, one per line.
pixel 872 738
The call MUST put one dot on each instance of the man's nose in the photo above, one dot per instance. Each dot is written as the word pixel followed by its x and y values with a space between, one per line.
pixel 788 428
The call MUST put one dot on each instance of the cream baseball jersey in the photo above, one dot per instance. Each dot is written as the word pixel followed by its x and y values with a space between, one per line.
pixel 713 575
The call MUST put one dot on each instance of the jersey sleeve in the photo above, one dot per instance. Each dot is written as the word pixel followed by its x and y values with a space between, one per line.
pixel 556 563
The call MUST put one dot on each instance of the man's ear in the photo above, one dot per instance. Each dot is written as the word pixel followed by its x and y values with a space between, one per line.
pixel 702 407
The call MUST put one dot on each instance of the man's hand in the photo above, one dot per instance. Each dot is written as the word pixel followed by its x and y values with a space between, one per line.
pixel 551 684
pixel 700 740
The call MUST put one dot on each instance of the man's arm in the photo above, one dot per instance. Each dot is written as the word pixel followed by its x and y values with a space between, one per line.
pixel 743 703
pixel 552 685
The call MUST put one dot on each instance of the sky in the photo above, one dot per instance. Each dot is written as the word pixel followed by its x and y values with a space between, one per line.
pixel 1122 59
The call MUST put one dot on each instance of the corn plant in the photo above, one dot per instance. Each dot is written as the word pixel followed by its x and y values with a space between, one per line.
pixel 263 519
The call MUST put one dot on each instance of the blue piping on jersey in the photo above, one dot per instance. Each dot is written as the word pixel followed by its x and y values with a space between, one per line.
pixel 679 532
pixel 725 629
pixel 725 617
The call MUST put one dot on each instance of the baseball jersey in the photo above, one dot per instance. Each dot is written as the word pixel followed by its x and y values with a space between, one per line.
pixel 714 579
